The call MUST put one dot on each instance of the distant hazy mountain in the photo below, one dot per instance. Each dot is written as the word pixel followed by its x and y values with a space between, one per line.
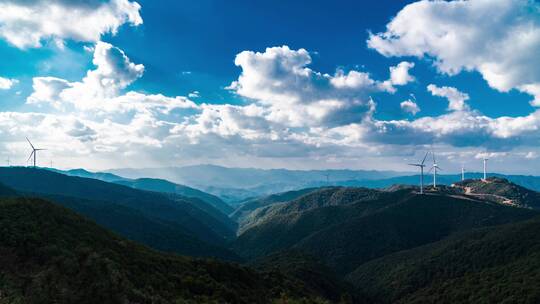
pixel 151 184
pixel 104 176
pixel 49 254
pixel 160 185
pixel 165 222
pixel 237 184
pixel 240 183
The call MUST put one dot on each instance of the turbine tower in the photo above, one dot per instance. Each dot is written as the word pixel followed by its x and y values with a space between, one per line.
pixel 8 162
pixel 327 178
pixel 434 167
pixel 421 166
pixel 485 168
pixel 462 173
pixel 34 152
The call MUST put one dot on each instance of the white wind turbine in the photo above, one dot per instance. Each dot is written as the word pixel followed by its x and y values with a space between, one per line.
pixel 485 167
pixel 462 173
pixel 34 152
pixel 327 175
pixel 435 168
pixel 421 166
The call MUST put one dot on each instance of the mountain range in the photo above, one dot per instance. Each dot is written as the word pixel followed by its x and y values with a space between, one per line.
pixel 164 221
pixel 331 244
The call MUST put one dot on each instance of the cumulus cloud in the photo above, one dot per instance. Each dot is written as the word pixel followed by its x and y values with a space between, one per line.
pixel 6 83
pixel 280 80
pixel 399 75
pixel 100 91
pixel 410 106
pixel 499 39
pixel 29 23
pixel 456 99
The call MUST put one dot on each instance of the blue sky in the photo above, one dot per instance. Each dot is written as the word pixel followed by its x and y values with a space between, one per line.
pixel 303 84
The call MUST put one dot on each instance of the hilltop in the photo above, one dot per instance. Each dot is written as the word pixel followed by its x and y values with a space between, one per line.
pixel 500 190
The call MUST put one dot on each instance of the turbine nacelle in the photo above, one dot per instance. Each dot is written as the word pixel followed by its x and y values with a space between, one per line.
pixel 421 166
pixel 34 152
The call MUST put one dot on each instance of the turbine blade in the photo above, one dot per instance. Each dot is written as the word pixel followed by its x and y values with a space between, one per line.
pixel 424 160
pixel 30 143
pixel 30 157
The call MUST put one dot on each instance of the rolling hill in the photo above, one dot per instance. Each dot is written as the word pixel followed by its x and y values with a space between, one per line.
pixel 247 207
pixel 138 215
pixel 490 265
pixel 363 225
pixel 151 184
pixel 160 185
pixel 49 254
pixel 282 225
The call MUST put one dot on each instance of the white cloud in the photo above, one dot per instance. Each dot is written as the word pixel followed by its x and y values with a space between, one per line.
pixel 100 90
pixel 499 39
pixel 399 75
pixel 6 83
pixel 29 23
pixel 456 99
pixel 294 94
pixel 410 106
pixel 293 115
pixel 194 94
pixel 114 73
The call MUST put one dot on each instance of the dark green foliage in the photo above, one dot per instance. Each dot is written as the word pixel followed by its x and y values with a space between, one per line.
pixel 346 235
pixel 136 214
pixel 250 205
pixel 51 255
pixel 134 225
pixel 6 191
pixel 281 226
pixel 289 211
pixel 414 221
pixel 490 265
pixel 309 270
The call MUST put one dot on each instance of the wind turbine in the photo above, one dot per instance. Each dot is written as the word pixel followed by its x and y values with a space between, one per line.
pixel 34 152
pixel 485 167
pixel 421 166
pixel 8 162
pixel 327 178
pixel 434 167
pixel 462 173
